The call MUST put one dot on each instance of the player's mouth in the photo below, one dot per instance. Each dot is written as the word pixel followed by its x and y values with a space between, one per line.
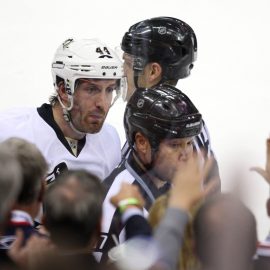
pixel 96 116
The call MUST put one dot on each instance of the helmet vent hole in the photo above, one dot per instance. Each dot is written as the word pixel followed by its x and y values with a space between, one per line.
pixel 104 73
pixel 184 52
pixel 165 107
pixel 114 74
pixel 70 56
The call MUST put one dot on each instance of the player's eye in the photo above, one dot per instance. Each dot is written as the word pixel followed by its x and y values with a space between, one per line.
pixel 190 142
pixel 175 145
pixel 110 89
pixel 92 89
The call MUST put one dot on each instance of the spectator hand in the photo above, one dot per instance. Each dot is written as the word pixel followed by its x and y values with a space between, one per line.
pixel 188 188
pixel 127 191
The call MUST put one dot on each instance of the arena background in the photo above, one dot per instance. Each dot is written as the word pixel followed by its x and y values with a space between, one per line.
pixel 229 84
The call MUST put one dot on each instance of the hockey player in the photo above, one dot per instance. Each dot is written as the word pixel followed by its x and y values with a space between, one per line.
pixel 160 126
pixel 158 50
pixel 162 50
pixel 70 131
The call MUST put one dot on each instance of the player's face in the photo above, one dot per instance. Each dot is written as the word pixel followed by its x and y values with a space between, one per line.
pixel 92 101
pixel 172 154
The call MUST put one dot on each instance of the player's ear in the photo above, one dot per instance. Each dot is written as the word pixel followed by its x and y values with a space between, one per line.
pixel 155 73
pixel 141 142
pixel 143 147
pixel 61 90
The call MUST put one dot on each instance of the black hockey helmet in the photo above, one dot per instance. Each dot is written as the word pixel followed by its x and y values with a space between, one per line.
pixel 169 41
pixel 162 112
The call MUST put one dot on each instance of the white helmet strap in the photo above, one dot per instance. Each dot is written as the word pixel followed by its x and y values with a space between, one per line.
pixel 70 100
pixel 66 113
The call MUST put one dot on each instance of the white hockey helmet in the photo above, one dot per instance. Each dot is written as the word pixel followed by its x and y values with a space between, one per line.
pixel 85 58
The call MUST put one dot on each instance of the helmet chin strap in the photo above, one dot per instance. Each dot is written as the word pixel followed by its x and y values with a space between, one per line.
pixel 136 78
pixel 138 67
pixel 66 114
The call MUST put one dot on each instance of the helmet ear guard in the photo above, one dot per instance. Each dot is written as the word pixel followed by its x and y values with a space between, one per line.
pixel 139 64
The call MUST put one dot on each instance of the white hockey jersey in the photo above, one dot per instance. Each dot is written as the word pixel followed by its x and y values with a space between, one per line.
pixel 98 153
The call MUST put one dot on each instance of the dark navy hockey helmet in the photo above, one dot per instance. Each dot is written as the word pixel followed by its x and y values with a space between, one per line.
pixel 169 41
pixel 162 112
